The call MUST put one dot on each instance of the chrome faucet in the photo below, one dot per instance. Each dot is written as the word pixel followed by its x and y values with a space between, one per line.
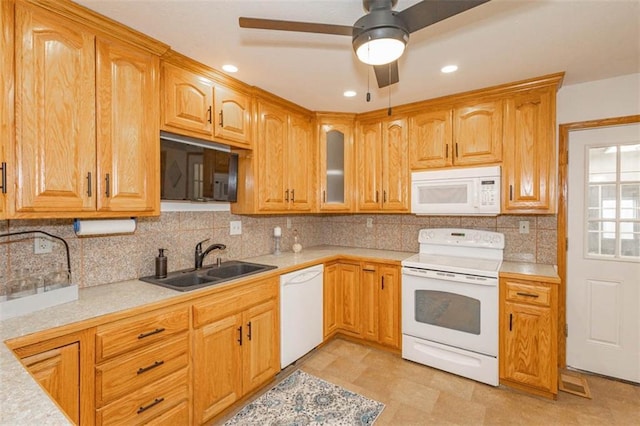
pixel 200 255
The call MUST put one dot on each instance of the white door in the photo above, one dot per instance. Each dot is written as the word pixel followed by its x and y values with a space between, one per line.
pixel 603 260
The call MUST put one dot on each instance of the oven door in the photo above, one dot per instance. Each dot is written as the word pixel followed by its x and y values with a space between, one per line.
pixel 453 309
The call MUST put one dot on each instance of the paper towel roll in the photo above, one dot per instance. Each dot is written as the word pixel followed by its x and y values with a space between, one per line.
pixel 104 226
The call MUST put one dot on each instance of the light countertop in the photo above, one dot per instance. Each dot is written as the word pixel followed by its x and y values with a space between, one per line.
pixel 22 401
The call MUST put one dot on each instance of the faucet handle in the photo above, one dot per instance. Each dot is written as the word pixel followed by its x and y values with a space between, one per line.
pixel 199 245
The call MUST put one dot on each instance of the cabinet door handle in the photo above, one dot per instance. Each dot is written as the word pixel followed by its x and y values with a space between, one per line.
pixel 369 270
pixel 535 296
pixel 3 168
pixel 221 115
pixel 249 332
pixel 376 196
pixel 510 322
pixel 456 149
pixel 209 114
pixel 107 184
pixel 149 367
pixel 384 196
pixel 293 195
pixel 89 184
pixel 286 195
pixel 510 192
pixel 240 335
pixel 324 196
pixel 151 333
pixel 383 282
pixel 146 407
pixel 446 151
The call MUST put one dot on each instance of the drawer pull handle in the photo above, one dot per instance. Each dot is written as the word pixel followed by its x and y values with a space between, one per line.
pixel 150 367
pixel 151 333
pixel 249 327
pixel 146 407
pixel 535 296
pixel 368 270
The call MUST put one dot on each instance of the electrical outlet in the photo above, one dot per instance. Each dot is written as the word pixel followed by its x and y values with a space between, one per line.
pixel 42 245
pixel 235 227
pixel 288 223
pixel 369 222
pixel 524 226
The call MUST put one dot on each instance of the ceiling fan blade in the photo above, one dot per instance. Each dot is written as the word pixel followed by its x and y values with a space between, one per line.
pixel 387 74
pixel 304 27
pixel 429 12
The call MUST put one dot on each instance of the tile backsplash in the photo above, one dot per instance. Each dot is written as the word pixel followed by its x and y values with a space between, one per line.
pixel 104 259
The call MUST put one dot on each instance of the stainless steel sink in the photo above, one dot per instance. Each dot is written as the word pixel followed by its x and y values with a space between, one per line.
pixel 192 279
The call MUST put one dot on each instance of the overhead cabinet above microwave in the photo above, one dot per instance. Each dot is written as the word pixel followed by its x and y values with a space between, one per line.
pixel 468 192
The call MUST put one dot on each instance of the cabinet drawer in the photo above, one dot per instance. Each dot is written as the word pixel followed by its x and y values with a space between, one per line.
pixel 229 302
pixel 125 374
pixel 133 333
pixel 178 415
pixel 146 403
pixel 530 293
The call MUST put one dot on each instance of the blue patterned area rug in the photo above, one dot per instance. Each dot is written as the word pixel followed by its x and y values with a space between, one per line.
pixel 303 399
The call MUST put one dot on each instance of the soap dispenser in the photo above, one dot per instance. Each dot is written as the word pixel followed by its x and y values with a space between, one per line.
pixel 161 264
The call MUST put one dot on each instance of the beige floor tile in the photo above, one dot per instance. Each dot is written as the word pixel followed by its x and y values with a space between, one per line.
pixel 415 394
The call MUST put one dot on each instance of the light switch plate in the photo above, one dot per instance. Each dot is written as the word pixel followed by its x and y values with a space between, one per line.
pixel 369 222
pixel 235 227
pixel 288 223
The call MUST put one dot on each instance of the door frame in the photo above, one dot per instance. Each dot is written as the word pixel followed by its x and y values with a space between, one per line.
pixel 563 186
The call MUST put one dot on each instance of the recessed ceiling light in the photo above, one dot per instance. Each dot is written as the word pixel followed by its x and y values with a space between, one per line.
pixel 349 93
pixel 449 68
pixel 230 68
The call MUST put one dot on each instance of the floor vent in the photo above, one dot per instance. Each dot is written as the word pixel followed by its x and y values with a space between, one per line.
pixel 574 383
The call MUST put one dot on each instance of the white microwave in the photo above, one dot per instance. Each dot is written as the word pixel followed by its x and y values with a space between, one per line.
pixel 464 192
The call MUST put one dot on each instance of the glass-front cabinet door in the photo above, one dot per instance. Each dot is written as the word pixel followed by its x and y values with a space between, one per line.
pixel 336 162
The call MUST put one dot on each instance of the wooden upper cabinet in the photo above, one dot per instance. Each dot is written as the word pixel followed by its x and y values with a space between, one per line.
pixel 127 111
pixel 335 159
pixel 529 167
pixel 468 134
pixel 86 123
pixel 233 113
pixel 477 133
pixel 187 101
pixel 431 139
pixel 300 163
pixel 271 152
pixel 383 166
pixel 395 166
pixel 285 160
pixel 55 143
pixel 196 105
pixel 369 165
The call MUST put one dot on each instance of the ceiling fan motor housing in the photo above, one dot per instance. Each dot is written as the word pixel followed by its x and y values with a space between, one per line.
pixel 377 24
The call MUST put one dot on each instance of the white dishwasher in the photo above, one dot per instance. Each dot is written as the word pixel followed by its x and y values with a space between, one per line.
pixel 300 313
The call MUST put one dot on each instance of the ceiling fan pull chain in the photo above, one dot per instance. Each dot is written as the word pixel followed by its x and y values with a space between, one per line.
pixel 389 88
pixel 368 89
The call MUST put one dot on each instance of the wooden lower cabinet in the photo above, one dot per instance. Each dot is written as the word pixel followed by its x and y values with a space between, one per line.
pixel 363 300
pixel 342 298
pixel 57 370
pixel 142 367
pixel 380 303
pixel 235 346
pixel 528 336
pixel 64 368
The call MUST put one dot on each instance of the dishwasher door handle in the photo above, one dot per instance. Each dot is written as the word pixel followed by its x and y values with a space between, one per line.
pixel 302 278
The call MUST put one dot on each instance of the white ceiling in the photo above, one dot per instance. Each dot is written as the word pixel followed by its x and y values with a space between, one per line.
pixel 497 42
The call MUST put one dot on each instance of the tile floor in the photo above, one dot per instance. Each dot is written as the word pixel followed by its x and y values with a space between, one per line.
pixel 418 395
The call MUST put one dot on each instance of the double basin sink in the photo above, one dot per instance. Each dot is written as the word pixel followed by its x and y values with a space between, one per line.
pixel 192 279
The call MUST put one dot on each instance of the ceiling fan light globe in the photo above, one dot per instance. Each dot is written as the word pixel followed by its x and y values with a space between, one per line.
pixel 380 51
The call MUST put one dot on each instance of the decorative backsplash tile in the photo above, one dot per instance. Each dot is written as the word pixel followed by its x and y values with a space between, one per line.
pixel 104 259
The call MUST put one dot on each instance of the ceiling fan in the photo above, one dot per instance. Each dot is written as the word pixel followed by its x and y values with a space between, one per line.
pixel 380 36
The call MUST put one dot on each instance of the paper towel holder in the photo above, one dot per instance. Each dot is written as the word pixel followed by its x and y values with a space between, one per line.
pixel 84 227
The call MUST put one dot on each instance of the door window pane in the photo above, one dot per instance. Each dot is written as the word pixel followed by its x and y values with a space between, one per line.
pixel 613 201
